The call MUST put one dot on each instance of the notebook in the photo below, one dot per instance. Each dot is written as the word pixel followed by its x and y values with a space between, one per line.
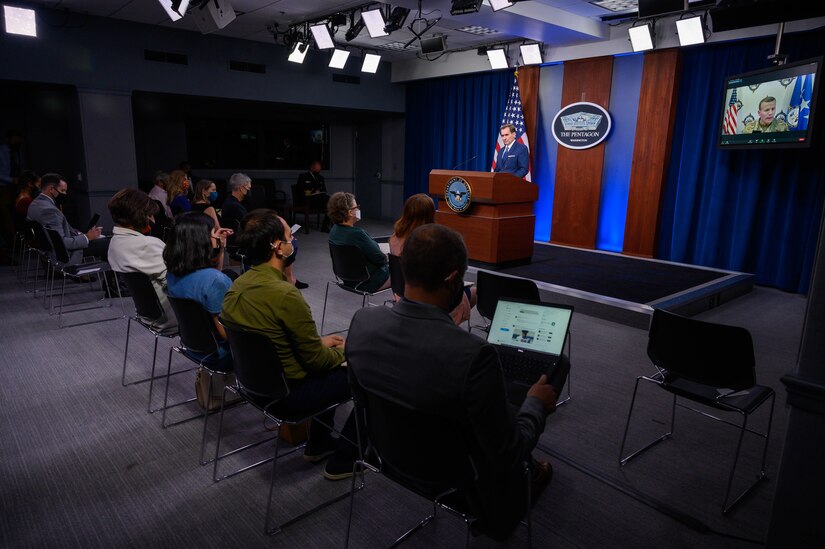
pixel 530 338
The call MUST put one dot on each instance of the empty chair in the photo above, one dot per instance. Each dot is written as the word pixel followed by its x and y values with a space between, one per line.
pixel 351 272
pixel 300 205
pixel 491 287
pixel 710 364
pixel 260 381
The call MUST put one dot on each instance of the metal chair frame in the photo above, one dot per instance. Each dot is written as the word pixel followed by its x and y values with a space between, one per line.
pixel 254 398
pixel 671 378
pixel 360 398
pixel 59 264
pixel 354 270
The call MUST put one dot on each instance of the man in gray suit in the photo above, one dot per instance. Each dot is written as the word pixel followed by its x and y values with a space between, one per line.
pixel 44 210
pixel 413 354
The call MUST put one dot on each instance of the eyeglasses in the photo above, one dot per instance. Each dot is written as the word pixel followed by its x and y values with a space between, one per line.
pixel 356 207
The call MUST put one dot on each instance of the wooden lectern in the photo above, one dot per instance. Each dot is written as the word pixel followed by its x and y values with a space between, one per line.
pixel 498 226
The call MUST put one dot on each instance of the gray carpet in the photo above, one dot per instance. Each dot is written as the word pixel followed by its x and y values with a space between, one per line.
pixel 83 465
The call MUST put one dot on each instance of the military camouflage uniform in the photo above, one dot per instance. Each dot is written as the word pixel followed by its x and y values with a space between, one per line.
pixel 776 125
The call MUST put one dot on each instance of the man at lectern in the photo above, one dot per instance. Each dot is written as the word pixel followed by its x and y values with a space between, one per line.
pixel 513 157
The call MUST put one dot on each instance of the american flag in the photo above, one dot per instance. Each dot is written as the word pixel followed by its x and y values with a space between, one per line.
pixel 731 122
pixel 515 116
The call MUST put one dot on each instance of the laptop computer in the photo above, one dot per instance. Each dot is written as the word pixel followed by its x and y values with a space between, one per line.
pixel 530 337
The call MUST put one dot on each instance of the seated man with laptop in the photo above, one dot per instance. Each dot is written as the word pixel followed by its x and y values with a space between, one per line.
pixel 414 355
pixel 45 210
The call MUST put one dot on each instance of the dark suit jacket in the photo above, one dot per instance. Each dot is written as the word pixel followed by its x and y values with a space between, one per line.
pixel 44 211
pixel 517 161
pixel 415 355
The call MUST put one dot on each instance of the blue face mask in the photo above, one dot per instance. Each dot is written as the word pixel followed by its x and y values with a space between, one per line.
pixel 213 196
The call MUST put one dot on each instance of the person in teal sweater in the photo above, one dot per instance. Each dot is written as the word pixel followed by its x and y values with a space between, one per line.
pixel 344 212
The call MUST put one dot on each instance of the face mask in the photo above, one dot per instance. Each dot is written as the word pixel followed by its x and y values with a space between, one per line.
pixel 458 293
pixel 60 198
pixel 35 192
pixel 213 196
pixel 358 215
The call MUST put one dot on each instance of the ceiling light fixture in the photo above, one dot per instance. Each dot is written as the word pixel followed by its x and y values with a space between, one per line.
pixel 497 58
pixel 20 21
pixel 641 36
pixel 374 20
pixel 339 59
pixel 461 7
pixel 500 4
pixel 396 19
pixel 299 52
pixel 322 36
pixel 691 30
pixel 531 54
pixel 175 9
pixel 370 63
pixel 354 29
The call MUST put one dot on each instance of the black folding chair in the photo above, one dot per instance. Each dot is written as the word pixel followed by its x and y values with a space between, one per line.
pixel 149 313
pixel 396 275
pixel 260 381
pixel 709 364
pixel 491 287
pixel 199 344
pixel 424 453
pixel 350 269
pixel 59 264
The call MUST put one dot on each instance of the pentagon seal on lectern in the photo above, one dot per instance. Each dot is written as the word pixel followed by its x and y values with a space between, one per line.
pixel 458 194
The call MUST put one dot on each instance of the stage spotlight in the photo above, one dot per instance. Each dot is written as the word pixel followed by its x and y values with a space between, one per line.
pixel 355 29
pixel 498 58
pixel 641 37
pixel 339 59
pixel 20 21
pixel 370 63
pixel 531 54
pixel 691 31
pixel 397 19
pixel 299 52
pixel 175 9
pixel 500 4
pixel 460 7
pixel 374 20
pixel 323 38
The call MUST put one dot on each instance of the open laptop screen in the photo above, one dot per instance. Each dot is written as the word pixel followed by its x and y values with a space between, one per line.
pixel 535 327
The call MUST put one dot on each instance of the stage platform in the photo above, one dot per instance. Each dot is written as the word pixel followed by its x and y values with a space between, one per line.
pixel 626 289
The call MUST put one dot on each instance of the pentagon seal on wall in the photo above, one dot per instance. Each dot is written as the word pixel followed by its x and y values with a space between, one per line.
pixel 581 125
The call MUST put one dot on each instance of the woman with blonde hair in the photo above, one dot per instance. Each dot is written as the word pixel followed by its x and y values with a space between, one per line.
pixel 419 209
pixel 176 191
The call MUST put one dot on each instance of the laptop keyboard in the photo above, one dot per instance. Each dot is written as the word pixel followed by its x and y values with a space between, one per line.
pixel 517 367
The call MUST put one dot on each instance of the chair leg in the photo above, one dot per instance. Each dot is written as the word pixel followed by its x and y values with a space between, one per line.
pixel 623 461
pixel 277 528
pixel 206 418
pixel 726 508
pixel 152 375
pixel 324 313
pixel 166 392
pixel 126 351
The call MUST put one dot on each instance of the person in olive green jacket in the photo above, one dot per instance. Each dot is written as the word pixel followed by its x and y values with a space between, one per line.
pixel 263 300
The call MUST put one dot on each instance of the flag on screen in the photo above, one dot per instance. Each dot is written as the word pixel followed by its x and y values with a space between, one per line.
pixel 801 102
pixel 515 116
pixel 731 121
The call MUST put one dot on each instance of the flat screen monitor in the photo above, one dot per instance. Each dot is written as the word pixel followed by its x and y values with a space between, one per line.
pixel 770 107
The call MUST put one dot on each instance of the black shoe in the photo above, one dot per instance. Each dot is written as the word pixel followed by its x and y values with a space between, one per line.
pixel 338 468
pixel 301 285
pixel 318 451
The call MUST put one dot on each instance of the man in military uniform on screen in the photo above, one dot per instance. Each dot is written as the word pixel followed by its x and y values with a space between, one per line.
pixel 766 122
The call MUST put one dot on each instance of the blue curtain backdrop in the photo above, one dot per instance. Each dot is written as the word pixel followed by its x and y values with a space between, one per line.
pixel 450 120
pixel 755 211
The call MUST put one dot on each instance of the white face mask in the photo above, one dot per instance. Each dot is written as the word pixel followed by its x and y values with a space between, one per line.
pixel 358 215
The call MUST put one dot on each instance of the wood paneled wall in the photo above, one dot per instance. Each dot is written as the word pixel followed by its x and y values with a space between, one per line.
pixel 579 172
pixel 651 150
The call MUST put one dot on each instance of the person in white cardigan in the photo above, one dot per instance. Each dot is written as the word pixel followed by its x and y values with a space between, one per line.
pixel 132 250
